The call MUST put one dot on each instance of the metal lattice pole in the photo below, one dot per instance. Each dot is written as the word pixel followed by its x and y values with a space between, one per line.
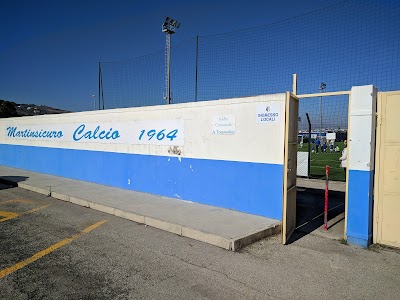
pixel 168 27
pixel 167 95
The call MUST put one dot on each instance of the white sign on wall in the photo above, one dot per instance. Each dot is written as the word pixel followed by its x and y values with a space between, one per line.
pixel 302 164
pixel 268 113
pixel 223 125
pixel 167 132
pixel 331 135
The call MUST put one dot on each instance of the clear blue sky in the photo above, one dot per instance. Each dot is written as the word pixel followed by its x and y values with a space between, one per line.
pixel 49 50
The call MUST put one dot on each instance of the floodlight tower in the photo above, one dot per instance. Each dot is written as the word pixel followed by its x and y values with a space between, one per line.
pixel 168 27
pixel 321 88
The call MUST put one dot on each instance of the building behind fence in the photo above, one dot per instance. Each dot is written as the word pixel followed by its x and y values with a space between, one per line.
pixel 347 44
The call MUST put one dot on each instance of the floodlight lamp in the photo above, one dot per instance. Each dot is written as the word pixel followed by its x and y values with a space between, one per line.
pixel 170 25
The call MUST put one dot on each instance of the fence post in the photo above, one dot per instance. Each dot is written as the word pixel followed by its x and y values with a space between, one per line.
pixel 197 66
pixel 99 95
pixel 294 84
pixel 326 198
pixel 101 86
pixel 309 146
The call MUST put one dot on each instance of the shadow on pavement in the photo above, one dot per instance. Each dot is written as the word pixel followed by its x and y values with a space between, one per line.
pixel 310 210
pixel 11 181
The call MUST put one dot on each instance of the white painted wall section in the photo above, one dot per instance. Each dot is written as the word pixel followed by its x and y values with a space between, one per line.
pixel 362 118
pixel 251 141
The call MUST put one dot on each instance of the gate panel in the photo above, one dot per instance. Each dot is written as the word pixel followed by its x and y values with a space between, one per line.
pixel 387 180
pixel 290 168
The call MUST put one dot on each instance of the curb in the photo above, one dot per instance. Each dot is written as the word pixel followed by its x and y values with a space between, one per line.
pixel 233 244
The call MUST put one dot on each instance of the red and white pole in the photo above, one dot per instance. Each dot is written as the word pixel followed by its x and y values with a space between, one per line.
pixel 326 198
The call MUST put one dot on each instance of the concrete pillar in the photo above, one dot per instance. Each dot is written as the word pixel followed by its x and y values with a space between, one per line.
pixel 361 153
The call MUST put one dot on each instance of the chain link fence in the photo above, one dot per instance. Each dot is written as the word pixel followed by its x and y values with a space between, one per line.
pixel 324 143
pixel 347 44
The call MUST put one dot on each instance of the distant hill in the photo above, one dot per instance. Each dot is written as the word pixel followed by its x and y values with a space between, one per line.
pixel 11 109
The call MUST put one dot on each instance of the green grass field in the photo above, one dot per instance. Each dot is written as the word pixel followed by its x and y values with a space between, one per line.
pixel 320 160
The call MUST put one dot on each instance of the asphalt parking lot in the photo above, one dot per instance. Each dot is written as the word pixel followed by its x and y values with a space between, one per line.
pixel 52 249
pixel 36 242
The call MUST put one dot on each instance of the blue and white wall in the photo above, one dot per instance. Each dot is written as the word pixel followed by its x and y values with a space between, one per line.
pixel 361 153
pixel 227 153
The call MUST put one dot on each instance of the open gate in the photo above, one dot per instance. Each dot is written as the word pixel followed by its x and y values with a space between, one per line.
pixel 290 167
pixel 387 171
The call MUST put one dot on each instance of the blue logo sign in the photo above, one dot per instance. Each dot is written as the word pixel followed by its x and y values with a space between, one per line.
pixel 27 133
pixel 80 133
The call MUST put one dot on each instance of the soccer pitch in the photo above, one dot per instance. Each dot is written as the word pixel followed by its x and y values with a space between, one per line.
pixel 320 160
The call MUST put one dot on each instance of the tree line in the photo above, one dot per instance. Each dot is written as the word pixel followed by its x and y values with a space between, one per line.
pixel 7 109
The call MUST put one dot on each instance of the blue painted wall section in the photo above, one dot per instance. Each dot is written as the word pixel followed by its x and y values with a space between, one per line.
pixel 360 208
pixel 254 188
